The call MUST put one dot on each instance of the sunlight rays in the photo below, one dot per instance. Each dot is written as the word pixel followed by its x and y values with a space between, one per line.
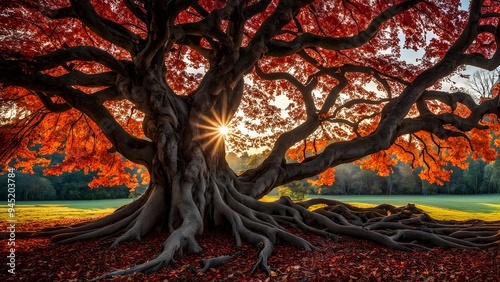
pixel 215 131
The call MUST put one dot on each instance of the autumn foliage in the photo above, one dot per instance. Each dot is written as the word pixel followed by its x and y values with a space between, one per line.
pixel 27 122
pixel 116 84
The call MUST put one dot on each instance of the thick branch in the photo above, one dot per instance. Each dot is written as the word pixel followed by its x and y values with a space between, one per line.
pixel 305 90
pixel 344 152
pixel 280 48
pixel 107 29
pixel 136 10
pixel 160 35
pixel 269 28
pixel 80 78
pixel 389 128
pixel 50 105
pixel 256 8
pixel 134 149
pixel 61 57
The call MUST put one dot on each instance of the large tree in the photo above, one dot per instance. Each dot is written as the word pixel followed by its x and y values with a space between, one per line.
pixel 157 83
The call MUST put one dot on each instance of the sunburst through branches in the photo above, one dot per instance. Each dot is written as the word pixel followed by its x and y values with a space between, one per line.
pixel 216 130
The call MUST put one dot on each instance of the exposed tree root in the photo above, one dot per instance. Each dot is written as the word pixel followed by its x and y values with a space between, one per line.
pixel 262 223
pixel 213 262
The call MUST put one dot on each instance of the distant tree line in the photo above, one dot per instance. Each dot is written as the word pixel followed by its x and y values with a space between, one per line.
pixel 68 186
pixel 478 178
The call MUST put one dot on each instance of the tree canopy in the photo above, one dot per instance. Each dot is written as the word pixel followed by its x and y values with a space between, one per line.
pixel 337 67
pixel 320 83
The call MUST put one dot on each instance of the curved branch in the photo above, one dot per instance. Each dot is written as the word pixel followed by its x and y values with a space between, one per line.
pixel 160 35
pixel 50 105
pixel 61 13
pixel 24 129
pixel 256 8
pixel 353 125
pixel 257 47
pixel 354 102
pixel 194 42
pixel 343 152
pixel 107 29
pixel 75 77
pixel 334 93
pixel 390 126
pixel 61 57
pixel 288 139
pixel 137 150
pixel 305 90
pixel 280 48
pixel 224 44
pixel 199 9
pixel 136 10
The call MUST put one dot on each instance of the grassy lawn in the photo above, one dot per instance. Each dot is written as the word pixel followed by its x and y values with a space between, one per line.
pixel 53 210
pixel 485 207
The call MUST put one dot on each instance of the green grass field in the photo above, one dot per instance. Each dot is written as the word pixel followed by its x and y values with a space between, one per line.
pixel 53 210
pixel 485 207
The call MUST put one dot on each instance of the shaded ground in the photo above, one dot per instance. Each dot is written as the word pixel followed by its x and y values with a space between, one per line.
pixel 347 260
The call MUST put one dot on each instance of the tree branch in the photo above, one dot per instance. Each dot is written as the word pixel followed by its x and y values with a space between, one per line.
pixel 305 90
pixel 343 152
pixel 354 102
pixel 256 8
pixel 137 150
pixel 160 36
pixel 50 105
pixel 106 29
pixel 450 99
pixel 76 77
pixel 258 46
pixel 279 48
pixel 136 10
pixel 107 94
pixel 61 57
pixel 391 125
pixel 23 129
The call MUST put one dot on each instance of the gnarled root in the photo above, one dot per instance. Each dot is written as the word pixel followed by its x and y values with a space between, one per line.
pixel 403 227
pixel 212 262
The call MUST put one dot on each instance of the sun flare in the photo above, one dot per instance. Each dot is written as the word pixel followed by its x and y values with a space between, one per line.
pixel 223 130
